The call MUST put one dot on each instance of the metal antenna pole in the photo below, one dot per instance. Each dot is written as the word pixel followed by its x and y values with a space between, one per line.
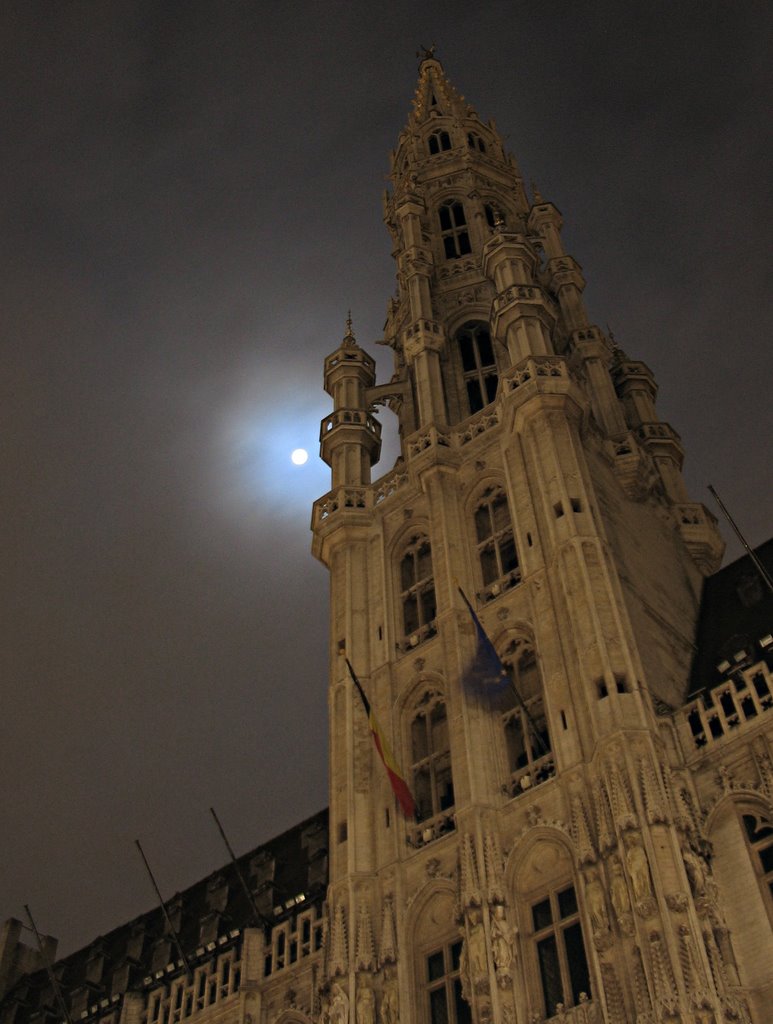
pixel 259 919
pixel 165 912
pixel 765 575
pixel 49 969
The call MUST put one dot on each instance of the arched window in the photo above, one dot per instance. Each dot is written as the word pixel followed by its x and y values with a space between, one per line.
pixel 527 740
pixel 443 986
pixel 432 784
pixel 439 142
pixel 558 942
pixel 453 231
pixel 759 836
pixel 555 960
pixel 490 214
pixel 496 544
pixel 417 591
pixel 479 367
pixel 476 142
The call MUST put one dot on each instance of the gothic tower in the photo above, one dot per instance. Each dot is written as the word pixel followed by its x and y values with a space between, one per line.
pixel 558 865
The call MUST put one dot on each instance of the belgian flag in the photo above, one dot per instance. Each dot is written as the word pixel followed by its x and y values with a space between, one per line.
pixel 396 780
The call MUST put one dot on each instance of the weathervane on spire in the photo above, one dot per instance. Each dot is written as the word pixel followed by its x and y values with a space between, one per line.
pixel 349 338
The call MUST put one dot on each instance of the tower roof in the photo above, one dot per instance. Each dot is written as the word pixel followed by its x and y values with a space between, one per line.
pixel 435 94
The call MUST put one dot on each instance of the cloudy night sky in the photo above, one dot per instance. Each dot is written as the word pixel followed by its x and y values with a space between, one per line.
pixel 190 202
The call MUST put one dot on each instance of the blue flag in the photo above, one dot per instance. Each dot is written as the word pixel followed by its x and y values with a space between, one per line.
pixel 485 676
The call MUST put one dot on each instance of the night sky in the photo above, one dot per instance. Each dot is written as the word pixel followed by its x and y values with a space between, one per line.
pixel 191 201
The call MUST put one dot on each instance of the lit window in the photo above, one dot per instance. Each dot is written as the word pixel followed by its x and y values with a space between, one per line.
pixel 494 537
pixel 439 142
pixel 443 987
pixel 479 367
pixel 759 835
pixel 453 231
pixel 560 950
pixel 527 740
pixel 417 591
pixel 433 788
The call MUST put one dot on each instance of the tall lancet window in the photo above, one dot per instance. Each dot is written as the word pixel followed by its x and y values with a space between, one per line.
pixel 527 740
pixel 453 231
pixel 479 366
pixel 496 544
pixel 433 787
pixel 417 591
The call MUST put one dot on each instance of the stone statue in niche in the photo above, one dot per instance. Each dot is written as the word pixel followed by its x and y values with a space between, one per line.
pixel 639 871
pixel 618 890
pixel 501 942
pixel 597 910
pixel 339 1005
pixel 366 1006
pixel 476 951
pixel 389 1003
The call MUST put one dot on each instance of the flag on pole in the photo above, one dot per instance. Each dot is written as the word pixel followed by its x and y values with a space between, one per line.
pixel 485 675
pixel 396 780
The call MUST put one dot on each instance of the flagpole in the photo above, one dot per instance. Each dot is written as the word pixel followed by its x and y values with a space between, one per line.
pixel 49 969
pixel 259 919
pixel 544 749
pixel 755 560
pixel 165 912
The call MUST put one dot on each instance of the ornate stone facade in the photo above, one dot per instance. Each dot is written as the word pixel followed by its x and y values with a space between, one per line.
pixel 595 844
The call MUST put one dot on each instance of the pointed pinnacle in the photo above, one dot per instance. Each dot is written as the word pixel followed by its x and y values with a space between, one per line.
pixel 349 338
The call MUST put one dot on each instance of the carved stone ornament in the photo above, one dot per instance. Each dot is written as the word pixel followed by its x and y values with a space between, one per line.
pixel 639 873
pixel 666 996
pixel 339 960
pixel 477 959
pixel 366 1005
pixel 621 901
pixel 365 954
pixel 390 1003
pixel 677 901
pixel 339 1005
pixel 388 937
pixel 596 905
pixel 501 947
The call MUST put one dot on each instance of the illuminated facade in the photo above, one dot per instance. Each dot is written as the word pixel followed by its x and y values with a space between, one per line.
pixel 595 846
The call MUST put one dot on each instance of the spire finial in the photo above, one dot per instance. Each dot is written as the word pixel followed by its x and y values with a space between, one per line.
pixel 349 338
pixel 536 192
pixel 426 52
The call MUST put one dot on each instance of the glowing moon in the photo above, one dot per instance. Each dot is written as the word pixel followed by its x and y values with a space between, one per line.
pixel 299 456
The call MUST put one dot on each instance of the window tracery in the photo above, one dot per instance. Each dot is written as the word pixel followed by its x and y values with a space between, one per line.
pixel 527 740
pixel 439 142
pixel 453 230
pixel 432 781
pixel 443 986
pixel 759 837
pixel 417 591
pixel 495 543
pixel 479 365
pixel 560 950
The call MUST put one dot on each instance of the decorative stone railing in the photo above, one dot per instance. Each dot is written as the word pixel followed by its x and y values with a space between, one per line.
pixel 215 976
pixel 350 418
pixel 729 706
pixel 499 586
pixel 525 779
pixel 293 940
pixel 533 368
pixel 431 829
pixel 585 1012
